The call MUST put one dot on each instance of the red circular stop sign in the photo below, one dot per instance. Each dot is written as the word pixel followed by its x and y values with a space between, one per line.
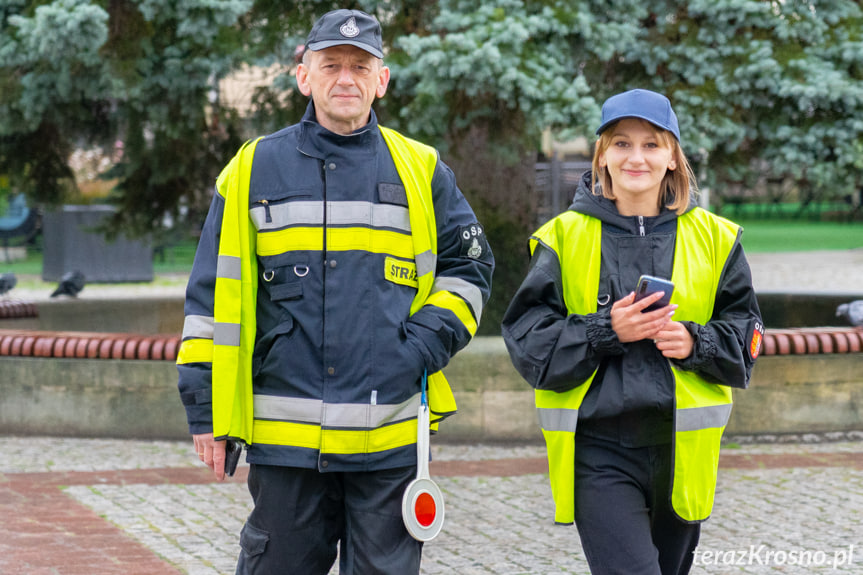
pixel 425 509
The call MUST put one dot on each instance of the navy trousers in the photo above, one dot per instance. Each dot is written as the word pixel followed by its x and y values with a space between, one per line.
pixel 623 510
pixel 301 517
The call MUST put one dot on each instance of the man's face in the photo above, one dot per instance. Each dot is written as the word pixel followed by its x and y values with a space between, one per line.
pixel 343 81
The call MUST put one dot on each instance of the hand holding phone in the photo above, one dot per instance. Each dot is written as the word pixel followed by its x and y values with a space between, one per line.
pixel 649 285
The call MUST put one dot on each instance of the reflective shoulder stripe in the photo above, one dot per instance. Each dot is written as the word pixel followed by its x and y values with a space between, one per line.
pixel 468 291
pixel 426 263
pixel 558 419
pixel 198 326
pixel 226 334
pixel 195 351
pixel 229 267
pixel 696 418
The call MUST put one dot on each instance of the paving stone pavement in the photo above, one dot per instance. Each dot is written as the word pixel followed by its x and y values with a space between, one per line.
pixel 70 506
pixel 95 506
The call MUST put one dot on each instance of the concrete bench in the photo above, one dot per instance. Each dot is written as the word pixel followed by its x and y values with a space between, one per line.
pixel 124 385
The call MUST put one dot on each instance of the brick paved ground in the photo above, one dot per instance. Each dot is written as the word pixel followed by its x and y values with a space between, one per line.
pixel 71 506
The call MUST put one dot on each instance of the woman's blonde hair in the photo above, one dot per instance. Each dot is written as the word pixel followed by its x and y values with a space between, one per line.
pixel 678 185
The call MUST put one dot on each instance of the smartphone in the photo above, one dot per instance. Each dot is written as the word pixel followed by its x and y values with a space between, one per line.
pixel 648 285
pixel 233 450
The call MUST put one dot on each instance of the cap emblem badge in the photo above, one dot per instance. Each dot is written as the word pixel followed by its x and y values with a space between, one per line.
pixel 349 29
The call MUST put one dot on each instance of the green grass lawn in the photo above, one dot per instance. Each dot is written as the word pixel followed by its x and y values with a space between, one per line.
pixel 799 236
pixel 760 236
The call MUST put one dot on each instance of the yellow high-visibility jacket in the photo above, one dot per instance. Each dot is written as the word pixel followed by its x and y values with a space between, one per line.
pixel 348 401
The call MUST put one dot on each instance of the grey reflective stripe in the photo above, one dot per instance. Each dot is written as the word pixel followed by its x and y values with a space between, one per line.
pixel 469 292
pixel 288 408
pixel 226 334
pixel 334 415
pixel 288 214
pixel 369 214
pixel 229 267
pixel 368 416
pixel 198 327
pixel 338 213
pixel 426 262
pixel 557 419
pixel 694 418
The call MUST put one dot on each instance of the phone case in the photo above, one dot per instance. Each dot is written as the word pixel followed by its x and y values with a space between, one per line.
pixel 648 285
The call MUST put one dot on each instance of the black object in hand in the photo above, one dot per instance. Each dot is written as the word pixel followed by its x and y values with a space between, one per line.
pixel 233 450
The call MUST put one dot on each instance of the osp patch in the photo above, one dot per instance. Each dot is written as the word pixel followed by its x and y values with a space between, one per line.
pixel 474 244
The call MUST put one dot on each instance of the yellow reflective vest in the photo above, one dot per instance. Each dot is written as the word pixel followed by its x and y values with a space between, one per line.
pixel 701 409
pixel 234 323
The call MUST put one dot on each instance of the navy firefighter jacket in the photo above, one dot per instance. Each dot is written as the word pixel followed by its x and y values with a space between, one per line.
pixel 334 330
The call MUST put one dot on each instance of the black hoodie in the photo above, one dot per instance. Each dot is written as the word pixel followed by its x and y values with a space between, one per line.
pixel 631 400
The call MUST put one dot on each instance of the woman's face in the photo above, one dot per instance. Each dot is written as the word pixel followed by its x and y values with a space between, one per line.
pixel 637 160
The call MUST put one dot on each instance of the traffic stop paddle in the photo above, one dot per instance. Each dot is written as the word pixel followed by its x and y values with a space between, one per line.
pixel 422 504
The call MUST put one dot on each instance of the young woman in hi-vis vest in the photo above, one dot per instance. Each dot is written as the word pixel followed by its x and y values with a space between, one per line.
pixel 633 386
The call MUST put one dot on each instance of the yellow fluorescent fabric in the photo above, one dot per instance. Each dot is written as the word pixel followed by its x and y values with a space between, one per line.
pixel 195 351
pixel 703 244
pixel 336 441
pixel 235 301
pixel 401 272
pixel 415 164
pixel 455 304
pixel 338 240
pixel 577 241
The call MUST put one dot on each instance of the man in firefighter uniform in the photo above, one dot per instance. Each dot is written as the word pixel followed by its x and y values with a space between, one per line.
pixel 339 265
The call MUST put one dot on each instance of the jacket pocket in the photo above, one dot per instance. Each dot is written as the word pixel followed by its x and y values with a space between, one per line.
pixel 283 275
pixel 267 212
pixel 253 541
pixel 265 343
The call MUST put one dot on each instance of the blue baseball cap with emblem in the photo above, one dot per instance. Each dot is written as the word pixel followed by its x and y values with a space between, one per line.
pixel 340 27
pixel 643 104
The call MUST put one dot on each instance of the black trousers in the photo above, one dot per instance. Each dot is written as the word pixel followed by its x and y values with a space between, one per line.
pixel 302 516
pixel 623 510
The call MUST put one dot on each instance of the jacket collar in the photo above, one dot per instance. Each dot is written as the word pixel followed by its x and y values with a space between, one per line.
pixel 318 142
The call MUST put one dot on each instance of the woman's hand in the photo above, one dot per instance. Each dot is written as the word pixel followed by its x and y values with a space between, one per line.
pixel 674 341
pixel 630 324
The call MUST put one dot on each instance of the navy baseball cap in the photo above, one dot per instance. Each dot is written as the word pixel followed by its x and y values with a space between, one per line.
pixel 341 27
pixel 644 104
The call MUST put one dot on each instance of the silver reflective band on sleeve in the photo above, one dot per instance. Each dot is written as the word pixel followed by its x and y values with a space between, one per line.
pixel 198 327
pixel 469 292
pixel 229 267
pixel 226 334
pixel 426 262
pixel 334 415
pixel 557 419
pixel 694 418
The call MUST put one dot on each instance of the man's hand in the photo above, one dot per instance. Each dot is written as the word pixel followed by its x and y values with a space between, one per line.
pixel 674 341
pixel 212 453
pixel 630 324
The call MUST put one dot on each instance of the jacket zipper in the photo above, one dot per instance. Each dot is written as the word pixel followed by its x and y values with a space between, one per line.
pixel 266 205
pixel 641 226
